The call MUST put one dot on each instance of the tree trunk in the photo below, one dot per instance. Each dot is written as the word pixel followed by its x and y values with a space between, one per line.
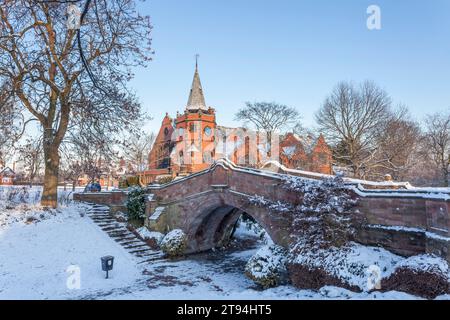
pixel 50 193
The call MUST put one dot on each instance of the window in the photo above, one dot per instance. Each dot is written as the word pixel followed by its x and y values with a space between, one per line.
pixel 208 157
pixel 181 155
pixel 208 131
pixel 247 151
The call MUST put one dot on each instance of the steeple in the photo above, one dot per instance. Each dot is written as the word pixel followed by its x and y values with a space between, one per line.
pixel 196 99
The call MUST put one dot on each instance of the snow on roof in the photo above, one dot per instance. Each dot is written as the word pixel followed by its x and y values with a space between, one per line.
pixel 289 151
pixel 7 171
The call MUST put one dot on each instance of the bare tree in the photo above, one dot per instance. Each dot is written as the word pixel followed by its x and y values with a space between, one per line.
pixel 9 126
pixel 71 167
pixel 136 149
pixel 30 154
pixel 437 142
pixel 397 147
pixel 269 117
pixel 351 118
pixel 63 77
pixel 95 155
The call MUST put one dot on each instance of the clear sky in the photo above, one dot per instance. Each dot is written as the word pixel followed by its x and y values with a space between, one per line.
pixel 294 52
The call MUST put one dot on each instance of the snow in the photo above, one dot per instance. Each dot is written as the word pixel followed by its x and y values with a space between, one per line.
pixel 251 230
pixel 409 193
pixel 36 254
pixel 289 151
pixel 146 234
pixel 158 211
pixel 277 206
pixel 427 234
pixel 267 266
pixel 387 189
pixel 426 263
pixel 351 263
pixel 174 242
pixel 34 258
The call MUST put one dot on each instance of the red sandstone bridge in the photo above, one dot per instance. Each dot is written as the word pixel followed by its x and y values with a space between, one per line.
pixel 206 206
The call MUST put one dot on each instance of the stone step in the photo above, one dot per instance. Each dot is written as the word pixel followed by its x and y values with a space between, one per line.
pixel 130 240
pixel 135 246
pixel 107 224
pixel 150 254
pixel 156 259
pixel 118 234
pixel 102 215
pixel 126 240
pixel 113 228
pixel 105 220
pixel 140 250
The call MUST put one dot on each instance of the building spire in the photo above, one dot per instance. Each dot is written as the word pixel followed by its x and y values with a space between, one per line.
pixel 196 99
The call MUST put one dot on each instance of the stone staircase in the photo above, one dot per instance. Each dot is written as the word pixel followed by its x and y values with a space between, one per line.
pixel 118 231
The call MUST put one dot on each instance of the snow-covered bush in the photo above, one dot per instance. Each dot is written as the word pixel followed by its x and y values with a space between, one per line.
pixel 151 237
pixel 267 267
pixel 423 275
pixel 275 206
pixel 348 266
pixel 174 243
pixel 20 194
pixel 136 203
pixel 322 215
pixel 329 195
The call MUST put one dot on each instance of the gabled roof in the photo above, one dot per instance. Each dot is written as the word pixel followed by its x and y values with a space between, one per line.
pixel 7 171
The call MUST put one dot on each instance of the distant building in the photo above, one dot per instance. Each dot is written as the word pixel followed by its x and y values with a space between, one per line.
pixel 306 153
pixel 192 141
pixel 7 176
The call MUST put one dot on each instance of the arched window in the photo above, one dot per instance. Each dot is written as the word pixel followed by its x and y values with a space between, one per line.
pixel 247 151
pixel 207 157
pixel 181 158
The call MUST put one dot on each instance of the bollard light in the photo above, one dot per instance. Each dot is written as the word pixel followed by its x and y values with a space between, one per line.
pixel 107 264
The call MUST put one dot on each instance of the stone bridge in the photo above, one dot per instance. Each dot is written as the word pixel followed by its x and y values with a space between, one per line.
pixel 206 206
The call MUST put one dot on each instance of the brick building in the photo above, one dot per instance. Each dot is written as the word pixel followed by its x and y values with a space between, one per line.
pixel 192 140
pixel 7 176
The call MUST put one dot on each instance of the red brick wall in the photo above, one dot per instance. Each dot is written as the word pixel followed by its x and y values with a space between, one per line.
pixel 161 147
pixel 321 157
pixel 297 160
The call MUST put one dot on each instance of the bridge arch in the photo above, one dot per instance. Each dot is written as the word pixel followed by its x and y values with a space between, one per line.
pixel 213 222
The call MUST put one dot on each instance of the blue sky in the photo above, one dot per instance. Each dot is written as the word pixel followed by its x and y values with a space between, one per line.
pixel 294 52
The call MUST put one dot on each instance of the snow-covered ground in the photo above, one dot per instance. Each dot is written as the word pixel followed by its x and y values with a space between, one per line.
pixel 44 257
